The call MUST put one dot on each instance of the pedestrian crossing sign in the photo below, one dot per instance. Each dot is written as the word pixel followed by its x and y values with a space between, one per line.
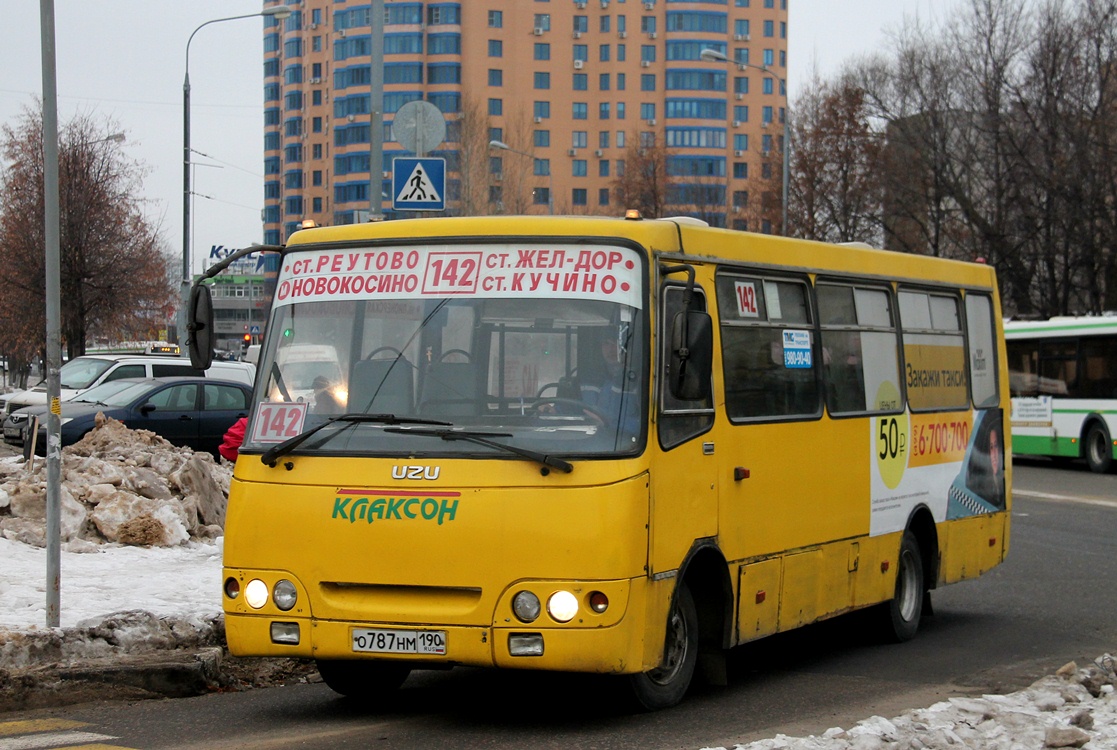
pixel 418 184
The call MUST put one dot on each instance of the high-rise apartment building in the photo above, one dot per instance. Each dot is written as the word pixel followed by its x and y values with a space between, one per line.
pixel 569 87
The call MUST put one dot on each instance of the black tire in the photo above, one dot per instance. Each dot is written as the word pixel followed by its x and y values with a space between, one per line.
pixel 1098 449
pixel 900 616
pixel 362 679
pixel 666 685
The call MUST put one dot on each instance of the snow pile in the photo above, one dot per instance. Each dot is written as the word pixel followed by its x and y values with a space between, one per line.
pixel 1074 708
pixel 119 486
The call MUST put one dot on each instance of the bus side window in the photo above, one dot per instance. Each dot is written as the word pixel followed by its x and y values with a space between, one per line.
pixel 679 420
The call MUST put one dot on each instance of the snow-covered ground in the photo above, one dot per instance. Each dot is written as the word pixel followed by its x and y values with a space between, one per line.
pixel 173 591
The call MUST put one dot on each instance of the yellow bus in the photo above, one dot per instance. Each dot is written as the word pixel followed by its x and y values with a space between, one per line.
pixel 606 445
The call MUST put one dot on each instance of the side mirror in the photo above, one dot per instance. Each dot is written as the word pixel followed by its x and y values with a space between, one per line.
pixel 147 409
pixel 199 327
pixel 692 355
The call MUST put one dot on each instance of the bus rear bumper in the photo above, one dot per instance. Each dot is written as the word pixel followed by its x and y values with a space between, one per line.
pixel 610 650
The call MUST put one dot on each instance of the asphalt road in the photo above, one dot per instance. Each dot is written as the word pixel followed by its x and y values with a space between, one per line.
pixel 1053 601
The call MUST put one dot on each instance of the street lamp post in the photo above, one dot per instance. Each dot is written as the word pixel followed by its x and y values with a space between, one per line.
pixel 279 12
pixel 713 55
pixel 550 182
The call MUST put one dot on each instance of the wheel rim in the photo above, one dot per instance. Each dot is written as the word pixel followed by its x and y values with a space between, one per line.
pixel 675 653
pixel 1096 446
pixel 908 584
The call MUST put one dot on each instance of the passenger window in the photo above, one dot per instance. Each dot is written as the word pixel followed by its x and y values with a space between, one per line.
pixel 224 398
pixel 934 352
pixel 860 358
pixel 768 348
pixel 679 420
pixel 174 371
pixel 983 350
pixel 176 398
pixel 126 371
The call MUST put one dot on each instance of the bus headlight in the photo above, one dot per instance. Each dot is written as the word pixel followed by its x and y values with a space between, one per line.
pixel 526 606
pixel 562 606
pixel 256 593
pixel 284 595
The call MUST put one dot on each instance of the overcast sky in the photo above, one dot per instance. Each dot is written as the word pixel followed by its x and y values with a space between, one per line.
pixel 125 60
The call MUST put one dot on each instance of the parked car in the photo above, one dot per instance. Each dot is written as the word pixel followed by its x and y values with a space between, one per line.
pixel 193 412
pixel 82 373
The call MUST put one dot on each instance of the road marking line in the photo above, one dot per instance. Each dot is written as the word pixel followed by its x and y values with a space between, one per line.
pixel 9 728
pixel 52 739
pixel 1065 498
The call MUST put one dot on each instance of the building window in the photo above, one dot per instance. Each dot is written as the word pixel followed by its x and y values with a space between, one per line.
pixel 542 51
pixel 578 196
pixel 542 80
pixel 740 170
pixel 496 107
pixel 496 19
pixel 767 87
pixel 496 134
pixel 496 48
pixel 541 167
pixel 604 24
pixel 647 81
pixel 603 139
pixel 541 196
pixel 542 110
pixel 581 111
pixel 316 178
pixel 541 139
pixel 581 52
pixel 603 82
pixel 603 53
pixel 647 53
pixel 496 77
pixel 579 139
pixel 647 111
pixel 542 21
pixel 603 197
pixel 603 111
pixel 581 24
pixel 578 167
pixel 603 168
pixel 581 82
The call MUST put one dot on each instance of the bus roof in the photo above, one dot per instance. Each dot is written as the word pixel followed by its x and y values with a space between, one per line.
pixel 1094 325
pixel 671 236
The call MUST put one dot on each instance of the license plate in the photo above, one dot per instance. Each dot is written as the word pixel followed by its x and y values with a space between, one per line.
pixel 13 432
pixel 399 641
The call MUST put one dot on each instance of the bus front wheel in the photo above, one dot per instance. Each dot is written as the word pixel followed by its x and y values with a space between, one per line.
pixel 1099 450
pixel 666 685
pixel 362 679
pixel 900 616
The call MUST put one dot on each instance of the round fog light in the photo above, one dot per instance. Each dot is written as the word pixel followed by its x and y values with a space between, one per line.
pixel 599 602
pixel 232 588
pixel 284 594
pixel 256 593
pixel 562 606
pixel 526 606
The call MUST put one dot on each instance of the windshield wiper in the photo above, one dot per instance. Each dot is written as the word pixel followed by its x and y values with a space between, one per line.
pixel 270 456
pixel 482 438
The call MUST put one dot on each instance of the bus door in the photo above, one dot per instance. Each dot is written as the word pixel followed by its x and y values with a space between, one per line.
pixel 684 483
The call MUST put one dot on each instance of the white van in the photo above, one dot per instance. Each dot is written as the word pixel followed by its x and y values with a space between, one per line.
pixel 82 373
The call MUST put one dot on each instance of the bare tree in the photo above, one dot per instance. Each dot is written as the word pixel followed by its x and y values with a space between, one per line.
pixel 645 184
pixel 113 265
pixel 835 190
pixel 474 154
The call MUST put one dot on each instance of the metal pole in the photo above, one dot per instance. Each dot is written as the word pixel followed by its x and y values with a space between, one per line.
pixel 53 317
pixel 376 111
pixel 279 12
pixel 187 189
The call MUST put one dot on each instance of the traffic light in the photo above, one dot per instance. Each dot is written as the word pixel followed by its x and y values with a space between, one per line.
pixel 247 341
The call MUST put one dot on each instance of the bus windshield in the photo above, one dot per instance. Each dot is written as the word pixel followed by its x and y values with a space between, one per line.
pixel 556 368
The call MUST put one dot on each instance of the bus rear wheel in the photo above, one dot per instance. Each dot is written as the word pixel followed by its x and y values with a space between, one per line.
pixel 362 679
pixel 1099 449
pixel 900 616
pixel 666 685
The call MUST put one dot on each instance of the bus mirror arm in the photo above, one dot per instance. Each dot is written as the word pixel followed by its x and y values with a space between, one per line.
pixel 199 325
